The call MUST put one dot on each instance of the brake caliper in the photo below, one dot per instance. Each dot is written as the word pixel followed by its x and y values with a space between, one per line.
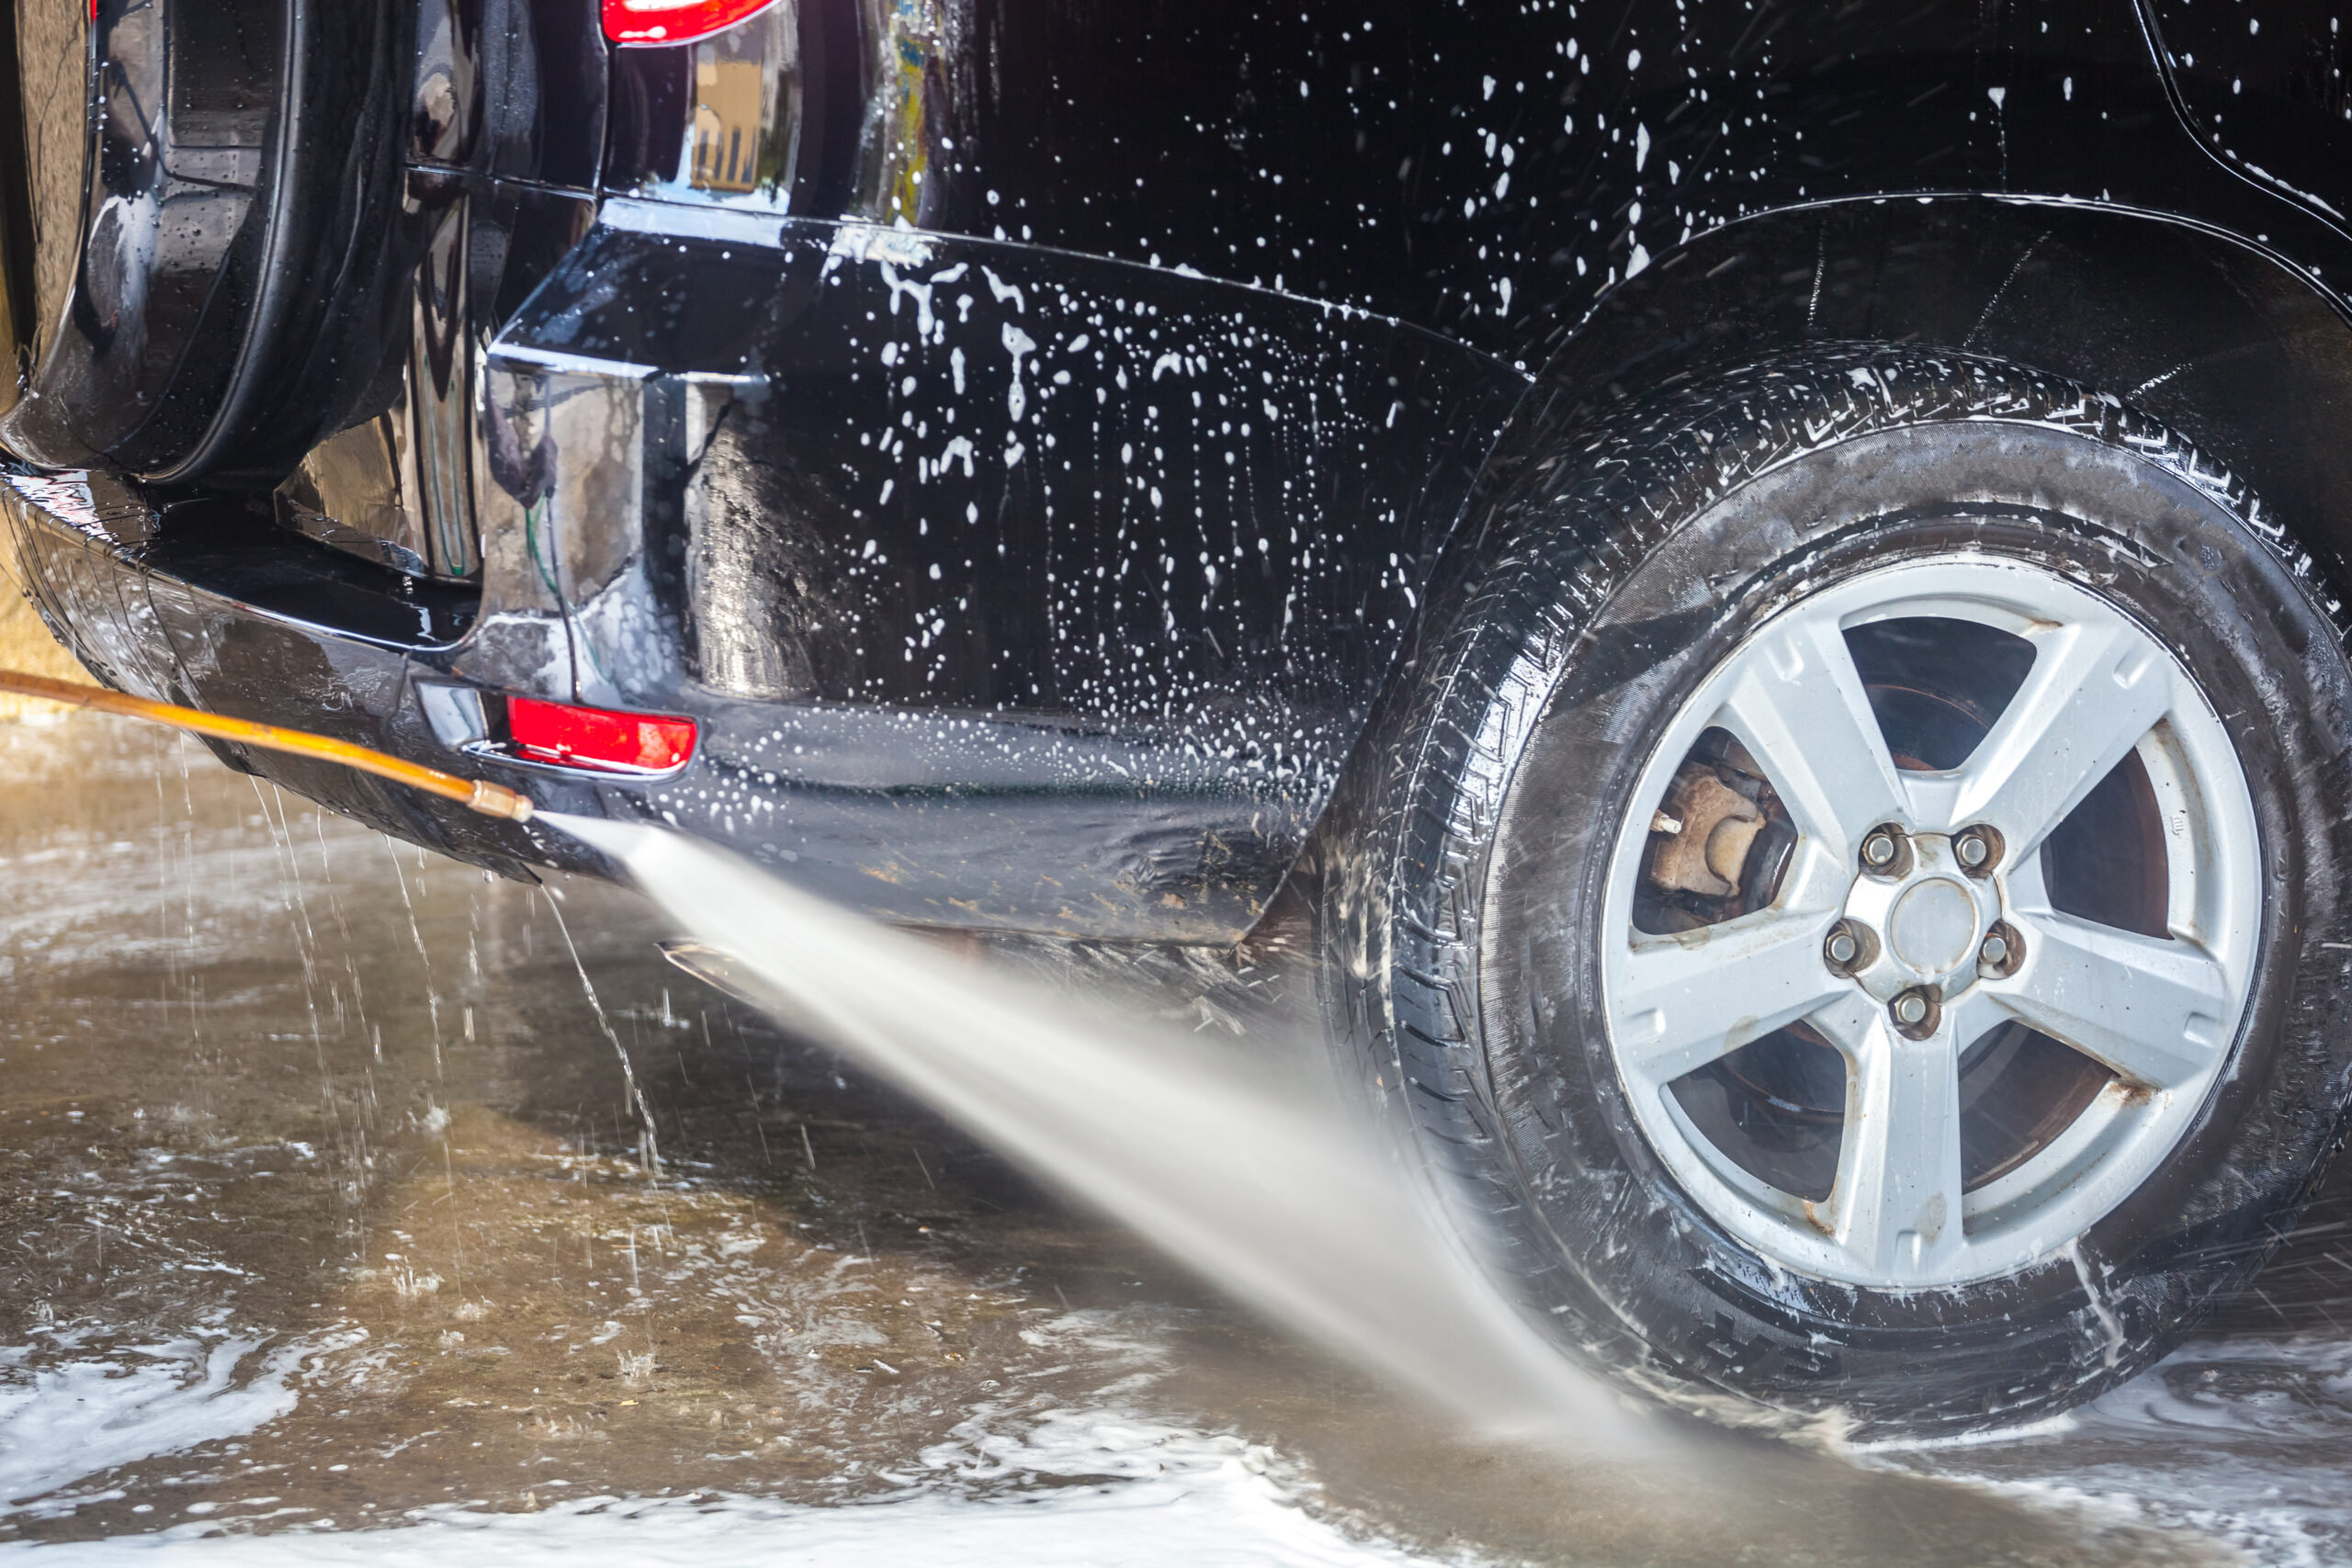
pixel 1700 838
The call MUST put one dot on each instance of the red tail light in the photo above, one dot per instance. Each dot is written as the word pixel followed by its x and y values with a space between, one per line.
pixel 597 738
pixel 674 21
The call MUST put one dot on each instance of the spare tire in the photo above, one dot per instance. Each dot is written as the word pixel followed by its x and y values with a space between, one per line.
pixel 201 241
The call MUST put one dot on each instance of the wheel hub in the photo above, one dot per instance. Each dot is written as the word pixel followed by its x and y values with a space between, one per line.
pixel 1934 926
pixel 1929 921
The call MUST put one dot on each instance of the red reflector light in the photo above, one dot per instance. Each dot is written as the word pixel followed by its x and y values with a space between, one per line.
pixel 674 21
pixel 595 738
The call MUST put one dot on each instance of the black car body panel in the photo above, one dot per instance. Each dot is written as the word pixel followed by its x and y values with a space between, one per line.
pixel 1024 452
pixel 998 534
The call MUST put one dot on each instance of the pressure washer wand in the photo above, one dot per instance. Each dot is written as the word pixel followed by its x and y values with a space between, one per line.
pixel 479 795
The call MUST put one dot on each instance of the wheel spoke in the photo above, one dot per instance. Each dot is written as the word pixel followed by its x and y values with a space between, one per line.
pixel 2095 689
pixel 1678 1003
pixel 1849 1020
pixel 2150 1009
pixel 1799 706
pixel 1897 1196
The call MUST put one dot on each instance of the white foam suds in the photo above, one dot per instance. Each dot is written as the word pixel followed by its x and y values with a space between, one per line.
pixel 2243 1441
pixel 1079 1489
pixel 62 1420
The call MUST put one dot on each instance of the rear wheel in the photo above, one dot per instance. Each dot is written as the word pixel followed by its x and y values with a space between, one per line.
pixel 1848 919
pixel 200 223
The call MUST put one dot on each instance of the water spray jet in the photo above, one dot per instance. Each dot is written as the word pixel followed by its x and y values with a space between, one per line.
pixel 1277 1199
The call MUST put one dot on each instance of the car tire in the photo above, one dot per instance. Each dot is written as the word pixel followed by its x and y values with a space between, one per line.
pixel 207 248
pixel 1740 1204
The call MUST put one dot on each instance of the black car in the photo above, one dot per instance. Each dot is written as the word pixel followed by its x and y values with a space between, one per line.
pixel 1774 571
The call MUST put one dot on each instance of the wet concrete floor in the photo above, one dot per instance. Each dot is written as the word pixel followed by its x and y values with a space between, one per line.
pixel 324 1209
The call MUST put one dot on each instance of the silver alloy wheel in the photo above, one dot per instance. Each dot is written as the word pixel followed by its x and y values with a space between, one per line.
pixel 1959 864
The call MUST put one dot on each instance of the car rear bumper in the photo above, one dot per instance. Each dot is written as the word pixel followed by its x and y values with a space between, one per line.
pixel 957 821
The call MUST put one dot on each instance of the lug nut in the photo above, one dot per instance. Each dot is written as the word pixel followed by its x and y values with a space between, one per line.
pixel 1885 852
pixel 1996 951
pixel 1917 1012
pixel 1849 948
pixel 1977 849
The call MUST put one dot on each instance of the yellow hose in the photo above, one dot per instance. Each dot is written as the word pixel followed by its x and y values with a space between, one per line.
pixel 490 799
